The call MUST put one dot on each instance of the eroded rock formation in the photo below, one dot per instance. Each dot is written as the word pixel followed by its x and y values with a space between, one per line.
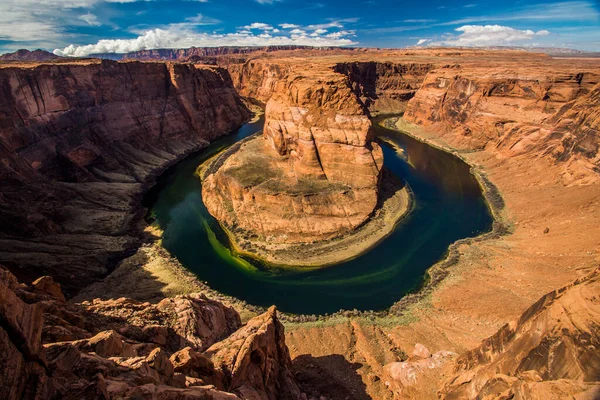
pixel 124 349
pixel 26 55
pixel 315 175
pixel 385 87
pixel 543 112
pixel 79 141
pixel 552 351
pixel 79 144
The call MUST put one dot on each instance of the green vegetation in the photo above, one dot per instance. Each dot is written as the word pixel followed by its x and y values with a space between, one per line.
pixel 224 252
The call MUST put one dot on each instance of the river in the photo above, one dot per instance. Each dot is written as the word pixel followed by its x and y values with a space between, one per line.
pixel 448 206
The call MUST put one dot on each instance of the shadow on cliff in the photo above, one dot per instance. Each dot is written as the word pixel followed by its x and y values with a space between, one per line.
pixel 390 185
pixel 331 376
pixel 144 276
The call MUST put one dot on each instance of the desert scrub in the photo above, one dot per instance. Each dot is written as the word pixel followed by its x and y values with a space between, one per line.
pixel 252 174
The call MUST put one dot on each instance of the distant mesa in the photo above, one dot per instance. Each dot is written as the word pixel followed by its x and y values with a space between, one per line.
pixel 201 53
pixel 27 55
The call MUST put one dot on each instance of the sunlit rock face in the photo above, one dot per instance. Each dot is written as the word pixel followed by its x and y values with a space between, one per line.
pixel 552 348
pixel 543 112
pixel 315 172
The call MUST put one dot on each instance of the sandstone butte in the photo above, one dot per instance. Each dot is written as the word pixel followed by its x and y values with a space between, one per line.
pixel 314 175
pixel 514 314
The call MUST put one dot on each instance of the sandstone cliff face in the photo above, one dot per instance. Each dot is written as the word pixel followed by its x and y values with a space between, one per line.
pixel 542 113
pixel 258 79
pixel 325 129
pixel 127 349
pixel 316 174
pixel 256 361
pixel 21 353
pixel 385 87
pixel 203 53
pixel 78 145
pixel 553 348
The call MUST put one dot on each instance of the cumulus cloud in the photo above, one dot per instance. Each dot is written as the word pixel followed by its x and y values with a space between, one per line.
pixel 177 37
pixel 53 23
pixel 485 35
pixel 259 25
pixel 46 23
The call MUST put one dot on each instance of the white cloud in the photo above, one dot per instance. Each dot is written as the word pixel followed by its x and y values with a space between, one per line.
pixel 54 23
pixel 332 24
pixel 175 36
pixel 259 25
pixel 339 34
pixel 43 23
pixel 200 19
pixel 90 18
pixel 486 35
pixel 268 1
pixel 47 23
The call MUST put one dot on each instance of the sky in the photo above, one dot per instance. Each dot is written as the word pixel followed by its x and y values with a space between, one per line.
pixel 83 27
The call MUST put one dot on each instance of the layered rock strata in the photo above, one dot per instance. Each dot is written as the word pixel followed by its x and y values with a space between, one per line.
pixel 552 351
pixel 314 175
pixel 541 113
pixel 493 281
pixel 554 347
pixel 549 236
pixel 186 347
pixel 79 143
pixel 385 87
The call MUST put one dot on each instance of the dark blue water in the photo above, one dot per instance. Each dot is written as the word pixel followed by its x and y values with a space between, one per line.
pixel 449 206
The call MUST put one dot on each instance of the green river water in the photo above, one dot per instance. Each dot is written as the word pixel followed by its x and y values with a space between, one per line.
pixel 449 205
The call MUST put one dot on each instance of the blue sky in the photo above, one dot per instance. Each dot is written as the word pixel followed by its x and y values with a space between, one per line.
pixel 82 27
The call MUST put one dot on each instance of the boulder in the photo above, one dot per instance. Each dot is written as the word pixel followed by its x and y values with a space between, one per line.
pixel 255 362
pixel 192 364
pixel 46 285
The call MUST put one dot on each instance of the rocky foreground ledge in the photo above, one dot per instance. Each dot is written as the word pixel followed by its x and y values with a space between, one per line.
pixel 190 347
pixel 187 347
